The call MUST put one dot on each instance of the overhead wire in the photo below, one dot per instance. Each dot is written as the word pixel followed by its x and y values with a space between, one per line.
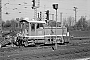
pixel 25 6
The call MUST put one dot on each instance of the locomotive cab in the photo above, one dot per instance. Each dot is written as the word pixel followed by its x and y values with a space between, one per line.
pixel 34 32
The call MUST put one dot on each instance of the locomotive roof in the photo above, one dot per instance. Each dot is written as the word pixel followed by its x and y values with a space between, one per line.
pixel 54 27
pixel 33 21
pixel 37 22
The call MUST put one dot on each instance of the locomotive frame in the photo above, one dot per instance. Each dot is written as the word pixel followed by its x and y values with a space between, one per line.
pixel 43 35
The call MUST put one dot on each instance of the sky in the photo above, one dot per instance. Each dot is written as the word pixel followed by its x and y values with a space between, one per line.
pixel 12 9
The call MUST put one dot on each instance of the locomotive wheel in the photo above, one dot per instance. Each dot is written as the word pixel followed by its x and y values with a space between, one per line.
pixel 25 44
pixel 61 40
pixel 66 40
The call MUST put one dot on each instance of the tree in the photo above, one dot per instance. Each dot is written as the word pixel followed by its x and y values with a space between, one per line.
pixel 7 23
pixel 14 24
pixel 88 21
pixel 70 21
pixel 21 18
pixel 52 23
pixel 82 24
pixel 64 21
pixel 3 23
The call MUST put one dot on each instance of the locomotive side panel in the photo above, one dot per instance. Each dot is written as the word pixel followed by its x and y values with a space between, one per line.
pixel 60 32
pixel 54 31
pixel 40 32
pixel 47 31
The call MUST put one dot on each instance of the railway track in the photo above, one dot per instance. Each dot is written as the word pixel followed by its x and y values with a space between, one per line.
pixel 61 52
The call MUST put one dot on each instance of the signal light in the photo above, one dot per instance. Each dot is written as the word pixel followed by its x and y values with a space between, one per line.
pixel 55 6
pixel 47 14
pixel 40 15
pixel 33 5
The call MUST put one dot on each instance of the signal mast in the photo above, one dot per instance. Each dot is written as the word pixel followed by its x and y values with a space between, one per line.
pixel 34 6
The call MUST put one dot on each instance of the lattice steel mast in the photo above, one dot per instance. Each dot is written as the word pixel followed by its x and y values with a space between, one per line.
pixel 34 6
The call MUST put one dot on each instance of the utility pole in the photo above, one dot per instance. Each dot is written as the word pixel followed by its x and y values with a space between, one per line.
pixel 82 22
pixel 61 19
pixel 52 16
pixel 0 18
pixel 62 27
pixel 43 13
pixel 75 9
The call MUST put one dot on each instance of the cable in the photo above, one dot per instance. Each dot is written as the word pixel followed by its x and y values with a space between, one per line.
pixel 40 6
